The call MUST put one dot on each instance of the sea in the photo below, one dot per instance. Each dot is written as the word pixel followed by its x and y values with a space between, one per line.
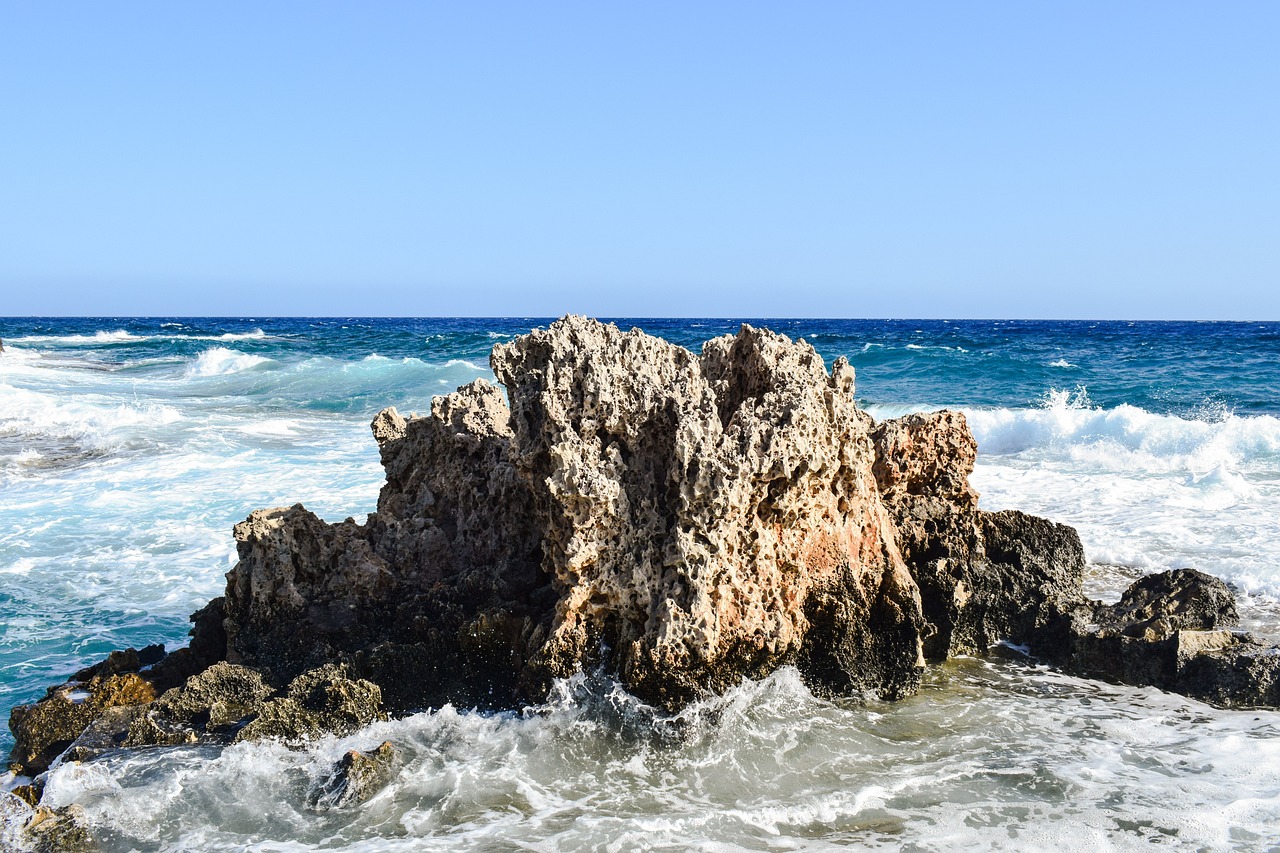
pixel 130 446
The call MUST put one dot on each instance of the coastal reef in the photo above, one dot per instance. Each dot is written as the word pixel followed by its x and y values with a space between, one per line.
pixel 677 521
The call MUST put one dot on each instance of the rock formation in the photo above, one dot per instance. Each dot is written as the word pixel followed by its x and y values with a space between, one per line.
pixel 682 521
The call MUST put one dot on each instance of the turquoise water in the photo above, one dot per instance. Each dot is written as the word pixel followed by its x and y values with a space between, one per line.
pixel 129 447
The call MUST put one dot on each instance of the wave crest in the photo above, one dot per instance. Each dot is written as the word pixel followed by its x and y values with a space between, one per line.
pixel 220 361
pixel 1127 437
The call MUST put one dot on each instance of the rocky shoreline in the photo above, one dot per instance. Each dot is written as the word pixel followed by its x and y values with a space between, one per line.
pixel 680 521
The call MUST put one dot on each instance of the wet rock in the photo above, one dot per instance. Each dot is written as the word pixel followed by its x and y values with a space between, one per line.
pixel 1228 669
pixel 124 661
pixel 209 706
pixel 1157 605
pixel 61 830
pixel 984 577
pixel 217 699
pixel 30 793
pixel 355 778
pixel 43 730
pixel 1170 630
pixel 107 731
pixel 323 701
pixel 1036 580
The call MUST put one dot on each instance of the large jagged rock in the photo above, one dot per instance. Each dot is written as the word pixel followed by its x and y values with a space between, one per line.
pixel 704 517
pixel 681 521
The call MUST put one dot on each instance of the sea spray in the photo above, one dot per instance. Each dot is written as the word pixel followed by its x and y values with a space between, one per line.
pixel 768 761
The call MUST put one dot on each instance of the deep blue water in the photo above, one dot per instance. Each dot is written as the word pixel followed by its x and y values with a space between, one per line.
pixel 1181 368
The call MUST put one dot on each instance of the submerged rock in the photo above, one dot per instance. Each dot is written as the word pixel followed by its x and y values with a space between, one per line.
pixel 680 521
pixel 355 777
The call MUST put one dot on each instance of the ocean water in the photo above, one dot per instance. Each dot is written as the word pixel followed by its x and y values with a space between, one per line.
pixel 129 447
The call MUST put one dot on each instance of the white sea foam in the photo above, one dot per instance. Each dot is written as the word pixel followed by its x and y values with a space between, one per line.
pixel 220 361
pixel 1145 490
pixel 121 336
pixel 942 347
pixel 1062 362
pixel 99 421
pixel 1126 437
pixel 100 337
pixel 767 766
pixel 272 426
pixel 255 335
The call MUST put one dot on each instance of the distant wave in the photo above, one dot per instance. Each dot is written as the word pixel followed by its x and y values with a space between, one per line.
pixel 933 347
pixel 121 336
pixel 103 337
pixel 95 423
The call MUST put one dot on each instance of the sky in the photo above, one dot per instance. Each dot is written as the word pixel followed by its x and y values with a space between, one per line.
pixel 916 159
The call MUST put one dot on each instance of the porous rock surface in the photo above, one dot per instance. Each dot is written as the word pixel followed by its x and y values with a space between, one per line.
pixel 683 520
pixel 680 520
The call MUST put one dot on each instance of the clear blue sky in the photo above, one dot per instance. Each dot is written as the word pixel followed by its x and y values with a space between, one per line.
pixel 952 159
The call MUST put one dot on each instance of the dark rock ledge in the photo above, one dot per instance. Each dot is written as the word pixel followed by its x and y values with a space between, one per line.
pixel 682 520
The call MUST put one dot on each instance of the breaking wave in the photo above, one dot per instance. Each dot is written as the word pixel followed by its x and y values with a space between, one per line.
pixel 220 361
pixel 766 764
pixel 1068 426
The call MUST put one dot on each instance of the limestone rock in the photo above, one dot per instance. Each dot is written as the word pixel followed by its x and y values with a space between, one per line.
pixel 683 520
pixel 699 513
pixel 438 597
